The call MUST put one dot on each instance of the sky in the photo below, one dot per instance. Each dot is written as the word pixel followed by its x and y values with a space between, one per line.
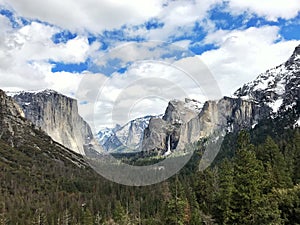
pixel 126 59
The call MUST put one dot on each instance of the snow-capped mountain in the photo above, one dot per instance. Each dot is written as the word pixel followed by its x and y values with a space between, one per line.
pixel 279 88
pixel 129 136
pixel 104 134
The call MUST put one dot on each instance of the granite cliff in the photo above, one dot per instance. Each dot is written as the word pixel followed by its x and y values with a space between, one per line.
pixel 58 116
pixel 163 134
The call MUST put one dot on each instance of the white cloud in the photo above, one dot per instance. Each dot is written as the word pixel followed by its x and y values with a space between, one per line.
pixel 35 43
pixel 244 54
pixel 65 82
pixel 272 10
pixel 257 36
pixel 184 44
pixel 93 15
pixel 5 25
pixel 25 52
pixel 183 15
pixel 98 15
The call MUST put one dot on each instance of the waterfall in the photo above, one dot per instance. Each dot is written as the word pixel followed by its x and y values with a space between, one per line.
pixel 169 143
pixel 168 152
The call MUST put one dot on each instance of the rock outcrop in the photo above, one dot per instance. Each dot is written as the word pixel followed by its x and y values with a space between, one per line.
pixel 58 116
pixel 12 120
pixel 29 142
pixel 225 115
pixel 278 88
pixel 163 134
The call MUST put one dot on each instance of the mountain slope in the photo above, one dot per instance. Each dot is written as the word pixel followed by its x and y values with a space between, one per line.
pixel 18 132
pixel 279 88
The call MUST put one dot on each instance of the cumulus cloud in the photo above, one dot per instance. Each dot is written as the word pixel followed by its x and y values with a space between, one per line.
pixel 33 42
pixel 272 10
pixel 26 52
pixel 92 15
pixel 96 16
pixel 242 55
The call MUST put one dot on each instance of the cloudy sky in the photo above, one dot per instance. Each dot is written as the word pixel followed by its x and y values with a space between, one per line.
pixel 124 59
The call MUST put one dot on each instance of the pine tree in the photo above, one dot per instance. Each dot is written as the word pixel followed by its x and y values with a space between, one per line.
pixel 119 214
pixel 223 202
pixel 275 164
pixel 249 205
pixel 178 208
pixel 289 203
pixel 66 219
pixel 87 217
pixel 195 210
pixel 3 219
pixel 98 219
pixel 39 218
pixel 296 147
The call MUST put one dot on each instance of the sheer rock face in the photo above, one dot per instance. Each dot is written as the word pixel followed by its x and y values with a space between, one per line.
pixel 58 116
pixel 163 134
pixel 23 136
pixel 225 115
pixel 179 112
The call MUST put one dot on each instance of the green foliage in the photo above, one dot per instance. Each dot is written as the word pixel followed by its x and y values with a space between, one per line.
pixel 119 214
pixel 178 208
pixel 275 163
pixel 248 202
pixel 223 204
pixel 289 203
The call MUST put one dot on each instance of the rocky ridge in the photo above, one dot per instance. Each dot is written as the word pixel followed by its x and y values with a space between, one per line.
pixel 278 88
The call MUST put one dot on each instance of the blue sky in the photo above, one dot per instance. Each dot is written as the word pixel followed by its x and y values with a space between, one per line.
pixel 54 44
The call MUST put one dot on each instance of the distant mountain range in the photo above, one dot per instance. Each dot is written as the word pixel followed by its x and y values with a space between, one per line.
pixel 270 95
pixel 128 137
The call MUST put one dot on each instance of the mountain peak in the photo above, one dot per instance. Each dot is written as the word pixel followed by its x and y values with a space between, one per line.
pixel 32 92
pixel 297 50
pixel 295 58
pixel 276 87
